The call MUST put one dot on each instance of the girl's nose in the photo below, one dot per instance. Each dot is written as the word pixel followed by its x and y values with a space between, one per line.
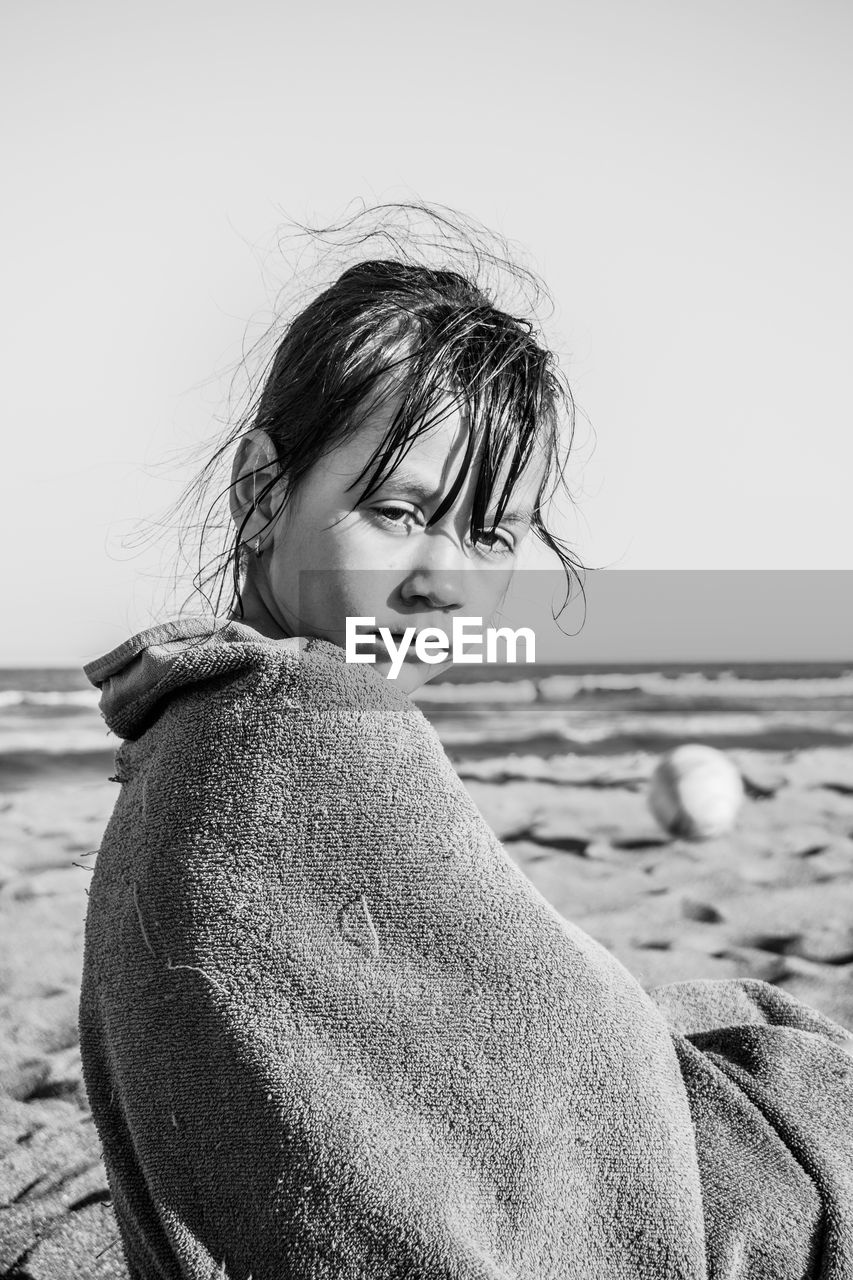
pixel 434 589
pixel 439 573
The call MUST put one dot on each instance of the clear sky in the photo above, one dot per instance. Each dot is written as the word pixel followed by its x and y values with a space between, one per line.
pixel 679 173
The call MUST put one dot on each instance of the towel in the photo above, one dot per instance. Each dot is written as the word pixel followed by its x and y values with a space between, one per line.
pixel 329 1030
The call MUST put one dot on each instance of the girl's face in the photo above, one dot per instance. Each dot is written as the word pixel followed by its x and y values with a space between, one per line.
pixel 327 557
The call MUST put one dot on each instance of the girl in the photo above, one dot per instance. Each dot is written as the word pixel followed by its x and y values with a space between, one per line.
pixel 328 1028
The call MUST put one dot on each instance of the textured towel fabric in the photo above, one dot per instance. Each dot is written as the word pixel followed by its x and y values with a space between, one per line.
pixel 331 1032
pixel 772 1106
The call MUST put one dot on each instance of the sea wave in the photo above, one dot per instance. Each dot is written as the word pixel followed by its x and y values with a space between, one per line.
pixel 57 741
pixel 698 727
pixel 722 685
pixel 695 684
pixel 514 691
pixel 86 699
pixel 530 688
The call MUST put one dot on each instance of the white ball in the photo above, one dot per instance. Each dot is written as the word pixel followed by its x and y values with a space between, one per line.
pixel 696 792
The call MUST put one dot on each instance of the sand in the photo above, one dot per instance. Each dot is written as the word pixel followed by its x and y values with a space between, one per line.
pixel 772 900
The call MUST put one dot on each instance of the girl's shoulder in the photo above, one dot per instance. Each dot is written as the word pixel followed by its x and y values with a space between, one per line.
pixel 231 718
pixel 191 662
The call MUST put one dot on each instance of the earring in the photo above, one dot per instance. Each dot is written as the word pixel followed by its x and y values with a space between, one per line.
pixel 258 545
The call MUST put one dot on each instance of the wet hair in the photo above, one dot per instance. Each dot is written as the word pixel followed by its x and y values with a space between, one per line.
pixel 423 336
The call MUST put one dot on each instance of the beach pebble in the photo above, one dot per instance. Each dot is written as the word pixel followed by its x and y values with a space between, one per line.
pixel 802 840
pixel 761 779
pixel 702 912
pixel 695 792
pixel 558 833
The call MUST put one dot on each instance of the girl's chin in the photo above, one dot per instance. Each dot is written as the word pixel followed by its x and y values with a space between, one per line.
pixel 412 674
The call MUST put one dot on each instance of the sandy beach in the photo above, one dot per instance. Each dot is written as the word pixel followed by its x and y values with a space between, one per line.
pixel 772 900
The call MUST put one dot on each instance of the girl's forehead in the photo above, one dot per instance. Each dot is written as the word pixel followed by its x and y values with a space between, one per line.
pixel 432 459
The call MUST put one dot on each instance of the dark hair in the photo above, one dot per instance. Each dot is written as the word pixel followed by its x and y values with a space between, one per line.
pixel 421 333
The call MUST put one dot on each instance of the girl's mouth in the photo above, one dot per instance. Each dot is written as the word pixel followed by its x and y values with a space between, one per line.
pixel 398 638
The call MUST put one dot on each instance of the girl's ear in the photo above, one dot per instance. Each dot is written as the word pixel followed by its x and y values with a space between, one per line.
pixel 253 496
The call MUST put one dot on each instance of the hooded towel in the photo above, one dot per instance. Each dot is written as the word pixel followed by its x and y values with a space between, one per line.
pixel 331 1032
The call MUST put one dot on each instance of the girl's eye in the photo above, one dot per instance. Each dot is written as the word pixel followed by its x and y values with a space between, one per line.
pixel 389 514
pixel 500 544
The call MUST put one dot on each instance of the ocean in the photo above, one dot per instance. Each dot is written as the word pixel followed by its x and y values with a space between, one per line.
pixel 50 726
